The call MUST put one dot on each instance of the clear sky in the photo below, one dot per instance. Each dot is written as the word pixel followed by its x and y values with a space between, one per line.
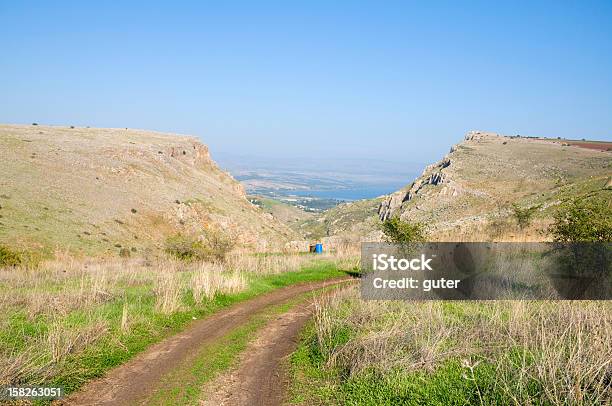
pixel 325 79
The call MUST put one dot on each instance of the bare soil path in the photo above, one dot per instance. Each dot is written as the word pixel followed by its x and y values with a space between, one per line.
pixel 260 378
pixel 133 382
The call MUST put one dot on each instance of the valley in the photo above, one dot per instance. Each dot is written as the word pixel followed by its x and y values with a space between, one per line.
pixel 130 256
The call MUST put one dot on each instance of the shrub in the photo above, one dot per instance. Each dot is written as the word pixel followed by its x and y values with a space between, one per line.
pixel 185 248
pixel 214 245
pixel 9 257
pixel 124 253
pixel 524 216
pixel 219 244
pixel 401 232
pixel 583 220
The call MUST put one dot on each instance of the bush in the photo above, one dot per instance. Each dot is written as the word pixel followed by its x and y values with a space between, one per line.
pixel 185 248
pixel 214 246
pixel 524 216
pixel 9 257
pixel 583 220
pixel 219 244
pixel 402 232
pixel 124 253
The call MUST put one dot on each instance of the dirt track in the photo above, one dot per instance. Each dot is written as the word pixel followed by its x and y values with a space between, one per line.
pixel 259 378
pixel 133 382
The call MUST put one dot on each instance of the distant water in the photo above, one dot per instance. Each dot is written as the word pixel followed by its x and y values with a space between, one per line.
pixel 349 194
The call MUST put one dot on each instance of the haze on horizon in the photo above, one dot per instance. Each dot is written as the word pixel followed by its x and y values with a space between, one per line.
pixel 394 81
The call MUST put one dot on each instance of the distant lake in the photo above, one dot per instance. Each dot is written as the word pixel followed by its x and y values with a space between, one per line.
pixel 349 194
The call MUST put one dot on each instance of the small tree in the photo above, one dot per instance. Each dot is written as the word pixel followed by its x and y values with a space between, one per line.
pixel 403 232
pixel 524 216
pixel 583 220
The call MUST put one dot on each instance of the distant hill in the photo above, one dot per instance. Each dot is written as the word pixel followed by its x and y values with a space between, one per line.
pixel 96 190
pixel 283 212
pixel 469 194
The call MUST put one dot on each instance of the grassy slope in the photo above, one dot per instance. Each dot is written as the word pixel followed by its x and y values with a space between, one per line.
pixel 283 212
pixel 97 190
pixel 354 219
pixel 116 345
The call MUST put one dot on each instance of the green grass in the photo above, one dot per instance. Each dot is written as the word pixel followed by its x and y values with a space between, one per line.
pixel 450 383
pixel 115 347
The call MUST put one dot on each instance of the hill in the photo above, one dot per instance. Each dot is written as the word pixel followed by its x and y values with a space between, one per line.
pixel 97 190
pixel 281 211
pixel 469 194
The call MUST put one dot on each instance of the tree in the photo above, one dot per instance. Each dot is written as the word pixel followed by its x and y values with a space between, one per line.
pixel 583 220
pixel 402 232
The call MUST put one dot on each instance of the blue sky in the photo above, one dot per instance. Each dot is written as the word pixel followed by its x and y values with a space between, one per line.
pixel 395 80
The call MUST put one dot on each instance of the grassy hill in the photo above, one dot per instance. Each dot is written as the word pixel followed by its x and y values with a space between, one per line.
pixel 355 219
pixel 469 194
pixel 285 213
pixel 98 190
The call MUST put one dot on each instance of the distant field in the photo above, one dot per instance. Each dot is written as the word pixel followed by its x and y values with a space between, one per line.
pixel 596 145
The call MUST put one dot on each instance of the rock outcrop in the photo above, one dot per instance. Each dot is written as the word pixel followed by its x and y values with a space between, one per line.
pixel 434 175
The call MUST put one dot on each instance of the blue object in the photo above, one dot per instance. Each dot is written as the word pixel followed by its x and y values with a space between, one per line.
pixel 319 248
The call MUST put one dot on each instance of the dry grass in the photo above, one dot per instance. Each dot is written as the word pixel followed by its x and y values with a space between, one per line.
pixel 168 292
pixel 209 280
pixel 565 347
pixel 55 310
pixel 495 229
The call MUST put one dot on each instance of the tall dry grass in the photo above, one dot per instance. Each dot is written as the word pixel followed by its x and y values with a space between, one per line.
pixel 35 302
pixel 209 281
pixel 564 347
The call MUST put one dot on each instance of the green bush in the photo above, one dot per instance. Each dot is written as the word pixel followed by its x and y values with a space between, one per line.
pixel 583 220
pixel 185 248
pixel 214 246
pixel 9 257
pixel 524 216
pixel 402 232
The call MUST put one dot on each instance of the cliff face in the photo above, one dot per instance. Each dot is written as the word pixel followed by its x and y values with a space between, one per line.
pixel 477 182
pixel 437 174
pixel 95 190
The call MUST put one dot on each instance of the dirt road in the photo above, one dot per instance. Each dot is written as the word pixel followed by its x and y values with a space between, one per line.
pixel 260 377
pixel 257 377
